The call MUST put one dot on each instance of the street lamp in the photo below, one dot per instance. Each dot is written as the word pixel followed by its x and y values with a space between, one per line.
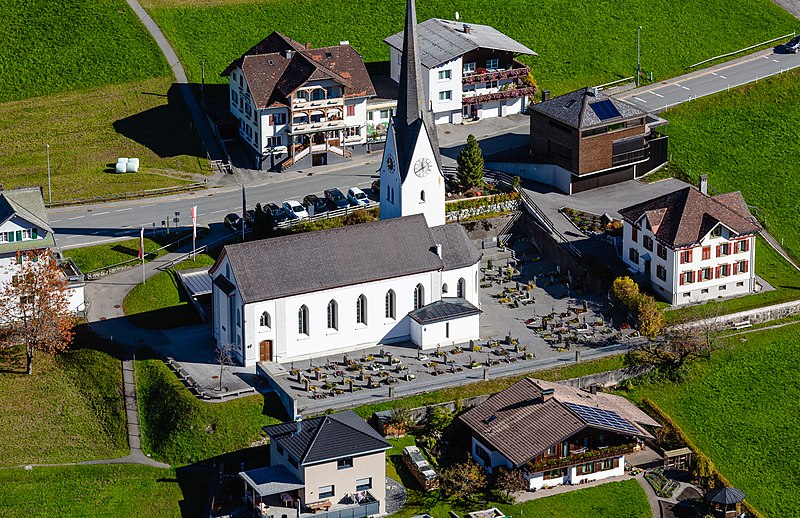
pixel 638 53
pixel 49 191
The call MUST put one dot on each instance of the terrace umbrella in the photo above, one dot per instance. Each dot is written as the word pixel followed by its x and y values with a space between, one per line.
pixel 725 495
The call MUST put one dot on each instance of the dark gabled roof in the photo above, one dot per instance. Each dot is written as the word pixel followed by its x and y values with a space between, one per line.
pixel 444 40
pixel 272 77
pixel 444 310
pixel 327 438
pixel 311 261
pixel 725 495
pixel 685 216
pixel 457 249
pixel 519 424
pixel 26 203
pixel 583 109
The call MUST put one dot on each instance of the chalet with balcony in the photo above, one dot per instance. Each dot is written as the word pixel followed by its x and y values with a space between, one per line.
pixel 690 247
pixel 469 71
pixel 294 102
pixel 329 466
pixel 586 139
pixel 555 433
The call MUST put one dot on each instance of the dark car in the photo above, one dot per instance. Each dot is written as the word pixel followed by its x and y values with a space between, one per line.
pixel 376 189
pixel 793 45
pixel 336 199
pixel 233 221
pixel 249 218
pixel 278 214
pixel 315 205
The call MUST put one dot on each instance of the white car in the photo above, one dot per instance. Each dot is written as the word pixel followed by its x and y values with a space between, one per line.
pixel 357 196
pixel 295 209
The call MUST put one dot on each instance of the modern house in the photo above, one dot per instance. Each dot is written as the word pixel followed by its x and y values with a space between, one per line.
pixel 327 467
pixel 25 229
pixel 585 139
pixel 294 102
pixel 339 290
pixel 469 71
pixel 690 247
pixel 555 433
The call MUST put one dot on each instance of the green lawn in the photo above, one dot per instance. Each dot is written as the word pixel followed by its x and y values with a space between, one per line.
pixel 160 302
pixel 88 130
pixel 746 140
pixel 68 45
pixel 579 43
pixel 740 408
pixel 111 490
pixel 772 268
pixel 70 409
pixel 178 428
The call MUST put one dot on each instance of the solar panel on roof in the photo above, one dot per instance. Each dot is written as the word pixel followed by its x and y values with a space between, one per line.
pixel 604 418
pixel 605 110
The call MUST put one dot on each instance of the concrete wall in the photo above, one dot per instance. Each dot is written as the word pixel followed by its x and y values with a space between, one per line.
pixel 608 378
pixel 548 174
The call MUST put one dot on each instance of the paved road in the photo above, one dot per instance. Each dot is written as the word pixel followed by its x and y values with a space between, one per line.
pixel 659 96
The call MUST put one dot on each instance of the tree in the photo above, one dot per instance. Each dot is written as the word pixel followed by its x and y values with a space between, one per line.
pixel 464 480
pixel 224 355
pixel 681 344
pixel 707 318
pixel 651 319
pixel 470 164
pixel 509 482
pixel 626 291
pixel 35 304
pixel 439 418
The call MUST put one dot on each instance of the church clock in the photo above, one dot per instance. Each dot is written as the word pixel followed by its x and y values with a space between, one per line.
pixel 390 163
pixel 422 167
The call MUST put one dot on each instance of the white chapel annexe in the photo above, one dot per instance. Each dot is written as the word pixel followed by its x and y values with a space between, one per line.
pixel 332 291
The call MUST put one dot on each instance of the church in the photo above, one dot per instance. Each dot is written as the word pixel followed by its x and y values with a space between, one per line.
pixel 408 278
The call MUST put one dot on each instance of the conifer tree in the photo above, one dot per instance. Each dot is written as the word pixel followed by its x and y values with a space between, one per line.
pixel 470 165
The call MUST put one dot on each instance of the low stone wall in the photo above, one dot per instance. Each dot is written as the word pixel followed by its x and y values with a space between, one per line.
pixel 608 378
pixel 458 215
pixel 755 316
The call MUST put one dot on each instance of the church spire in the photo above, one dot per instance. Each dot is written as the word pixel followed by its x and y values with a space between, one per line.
pixel 410 100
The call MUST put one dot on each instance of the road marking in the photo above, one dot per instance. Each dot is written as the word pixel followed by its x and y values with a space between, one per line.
pixel 217 211
pixel 99 213
pixel 776 61
pixel 723 77
pixel 54 220
pixel 684 87
pixel 657 95
pixel 76 217
pixel 714 74
pixel 640 99
pixel 123 210
pixel 765 57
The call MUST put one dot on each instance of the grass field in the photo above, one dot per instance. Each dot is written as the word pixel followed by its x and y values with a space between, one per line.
pixel 179 428
pixel 70 409
pixel 90 258
pixel 87 132
pixel 741 410
pixel 579 43
pixel 112 490
pixel 160 303
pixel 746 140
pixel 53 47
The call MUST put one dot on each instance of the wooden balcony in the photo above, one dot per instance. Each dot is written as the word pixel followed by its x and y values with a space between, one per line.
pixel 549 463
pixel 300 104
pixel 496 75
pixel 499 96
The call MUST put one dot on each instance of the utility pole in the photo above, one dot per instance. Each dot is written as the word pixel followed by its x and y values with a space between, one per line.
pixel 638 53
pixel 49 190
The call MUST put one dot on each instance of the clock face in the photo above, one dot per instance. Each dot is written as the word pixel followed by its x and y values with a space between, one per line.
pixel 390 163
pixel 422 167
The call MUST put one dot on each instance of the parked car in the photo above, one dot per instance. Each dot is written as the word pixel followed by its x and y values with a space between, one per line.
pixel 249 218
pixel 233 221
pixel 376 189
pixel 793 45
pixel 295 209
pixel 315 205
pixel 336 199
pixel 278 214
pixel 357 196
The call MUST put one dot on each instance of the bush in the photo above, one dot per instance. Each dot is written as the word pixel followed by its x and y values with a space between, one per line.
pixel 439 418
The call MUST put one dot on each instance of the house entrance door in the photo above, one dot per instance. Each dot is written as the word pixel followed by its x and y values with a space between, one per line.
pixel 265 351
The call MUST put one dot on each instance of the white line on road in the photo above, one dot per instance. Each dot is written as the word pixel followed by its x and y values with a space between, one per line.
pixel 640 99
pixel 765 57
pixel 148 205
pixel 123 210
pixel 99 213
pixel 657 95
pixel 54 220
pixel 776 61
pixel 723 77
pixel 685 87
pixel 76 217
pixel 217 211
pixel 714 74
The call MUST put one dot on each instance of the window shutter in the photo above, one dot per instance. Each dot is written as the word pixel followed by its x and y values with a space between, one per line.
pixel 271 120
pixel 35 233
pixel 682 277
pixel 689 259
pixel 716 273
pixel 745 267
pixel 735 247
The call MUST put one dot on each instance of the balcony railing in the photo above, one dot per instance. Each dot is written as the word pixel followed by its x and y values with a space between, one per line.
pixel 631 156
pixel 495 75
pixel 580 458
pixel 499 96
pixel 301 104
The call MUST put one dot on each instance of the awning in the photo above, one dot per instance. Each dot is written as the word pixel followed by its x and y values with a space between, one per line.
pixel 271 481
pixel 197 281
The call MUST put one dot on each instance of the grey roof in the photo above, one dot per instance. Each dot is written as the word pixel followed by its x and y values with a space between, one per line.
pixel 327 438
pixel 445 40
pixel 271 480
pixel 312 261
pixel 725 495
pixel 28 204
pixel 457 249
pixel 197 281
pixel 412 115
pixel 574 108
pixel 444 310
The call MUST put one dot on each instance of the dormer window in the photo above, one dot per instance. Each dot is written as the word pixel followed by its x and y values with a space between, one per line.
pixel 717 231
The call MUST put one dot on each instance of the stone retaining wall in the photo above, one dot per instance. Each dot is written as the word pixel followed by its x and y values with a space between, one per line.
pixel 458 215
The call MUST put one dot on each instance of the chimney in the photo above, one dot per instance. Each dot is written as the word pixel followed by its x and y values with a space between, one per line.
pixel 593 388
pixel 547 394
pixel 287 54
pixel 545 95
pixel 308 45
pixel 467 29
pixel 298 422
pixel 704 184
pixel 439 250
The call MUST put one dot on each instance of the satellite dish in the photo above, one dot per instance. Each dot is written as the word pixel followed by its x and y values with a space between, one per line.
pixel 457 17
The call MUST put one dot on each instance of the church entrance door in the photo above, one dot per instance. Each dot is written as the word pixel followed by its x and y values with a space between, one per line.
pixel 265 349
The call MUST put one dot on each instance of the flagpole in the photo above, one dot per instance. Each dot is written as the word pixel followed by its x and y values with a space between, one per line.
pixel 141 247
pixel 244 211
pixel 194 232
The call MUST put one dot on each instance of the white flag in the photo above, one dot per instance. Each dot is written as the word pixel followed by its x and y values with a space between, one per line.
pixel 194 222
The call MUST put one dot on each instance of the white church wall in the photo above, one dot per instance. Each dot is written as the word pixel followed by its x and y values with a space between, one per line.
pixel 470 276
pixel 456 331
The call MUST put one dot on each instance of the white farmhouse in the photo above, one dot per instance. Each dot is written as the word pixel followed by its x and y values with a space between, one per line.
pixel 25 228
pixel 469 71
pixel 294 102
pixel 691 246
